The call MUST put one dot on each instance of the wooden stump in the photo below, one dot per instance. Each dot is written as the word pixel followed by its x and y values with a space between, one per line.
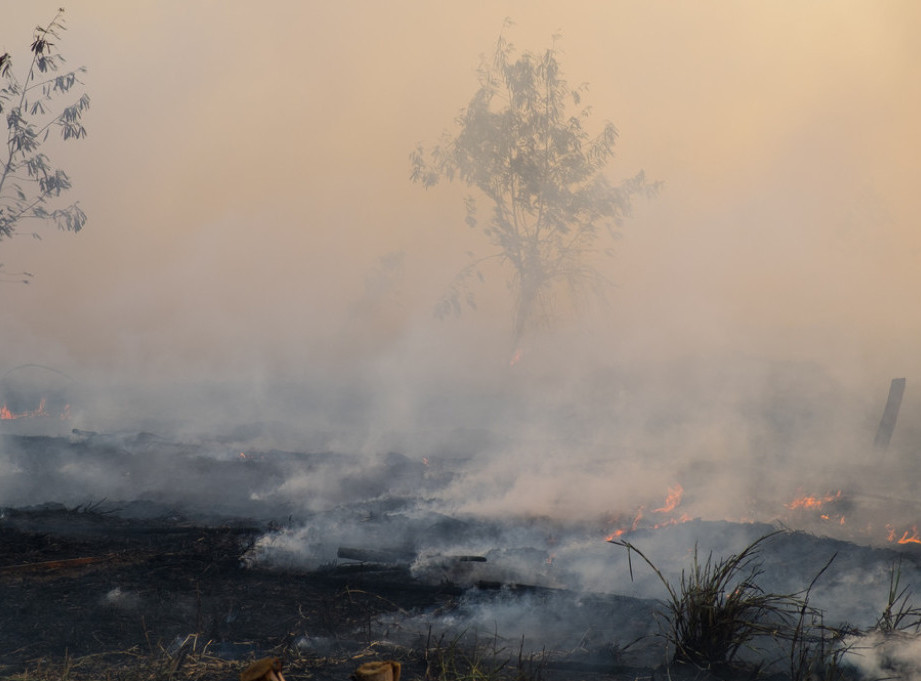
pixel 266 669
pixel 388 670
pixel 890 414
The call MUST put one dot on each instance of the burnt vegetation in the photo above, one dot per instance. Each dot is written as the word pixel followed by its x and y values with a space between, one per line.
pixel 91 593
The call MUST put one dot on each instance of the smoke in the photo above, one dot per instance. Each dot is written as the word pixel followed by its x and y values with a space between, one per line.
pixel 246 321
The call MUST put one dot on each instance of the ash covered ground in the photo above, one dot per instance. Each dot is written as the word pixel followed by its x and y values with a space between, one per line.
pixel 329 542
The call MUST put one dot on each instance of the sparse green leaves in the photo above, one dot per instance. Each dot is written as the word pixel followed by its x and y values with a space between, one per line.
pixel 518 145
pixel 28 179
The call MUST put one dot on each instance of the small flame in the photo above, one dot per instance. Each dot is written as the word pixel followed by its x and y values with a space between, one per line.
pixel 908 537
pixel 672 500
pixel 7 415
pixel 813 502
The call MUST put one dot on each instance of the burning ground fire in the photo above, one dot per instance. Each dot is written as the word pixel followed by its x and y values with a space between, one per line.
pixel 828 508
pixel 672 501
pixel 41 411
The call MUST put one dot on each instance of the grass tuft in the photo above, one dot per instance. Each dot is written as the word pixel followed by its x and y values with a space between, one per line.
pixel 717 609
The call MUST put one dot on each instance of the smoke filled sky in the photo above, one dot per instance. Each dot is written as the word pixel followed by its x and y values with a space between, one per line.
pixel 246 178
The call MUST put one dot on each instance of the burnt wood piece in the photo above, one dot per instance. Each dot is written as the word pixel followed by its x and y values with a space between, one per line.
pixel 266 669
pixel 376 555
pixel 52 565
pixel 388 670
pixel 890 415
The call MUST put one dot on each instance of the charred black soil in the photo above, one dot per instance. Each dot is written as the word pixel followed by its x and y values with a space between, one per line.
pixel 89 586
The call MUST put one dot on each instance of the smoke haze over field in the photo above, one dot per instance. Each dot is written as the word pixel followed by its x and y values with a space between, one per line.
pixel 252 228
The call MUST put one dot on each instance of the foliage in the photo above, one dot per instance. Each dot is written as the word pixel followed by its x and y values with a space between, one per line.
pixel 717 608
pixel 457 659
pixel 888 649
pixel 817 650
pixel 522 147
pixel 899 615
pixel 29 181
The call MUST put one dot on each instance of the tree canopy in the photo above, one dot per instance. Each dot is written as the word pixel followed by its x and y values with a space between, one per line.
pixel 522 144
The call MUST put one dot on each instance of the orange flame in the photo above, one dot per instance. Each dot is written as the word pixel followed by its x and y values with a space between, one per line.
pixel 7 415
pixel 906 538
pixel 813 502
pixel 672 500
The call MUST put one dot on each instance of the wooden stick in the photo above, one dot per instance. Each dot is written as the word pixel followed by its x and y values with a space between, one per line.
pixel 890 414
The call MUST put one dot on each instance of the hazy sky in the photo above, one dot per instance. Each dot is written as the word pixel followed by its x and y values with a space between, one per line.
pixel 246 170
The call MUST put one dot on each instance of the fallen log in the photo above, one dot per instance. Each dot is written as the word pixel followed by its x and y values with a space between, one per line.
pixel 376 555
pixel 54 565
pixel 397 556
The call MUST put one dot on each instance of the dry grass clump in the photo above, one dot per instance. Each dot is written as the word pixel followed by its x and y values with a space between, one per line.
pixel 129 665
pixel 475 659
pixel 192 661
pixel 717 609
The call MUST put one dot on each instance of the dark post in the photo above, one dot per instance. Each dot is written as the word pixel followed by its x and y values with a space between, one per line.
pixel 890 414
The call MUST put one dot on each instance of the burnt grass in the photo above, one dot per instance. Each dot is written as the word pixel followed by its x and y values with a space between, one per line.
pixel 84 591
pixel 77 583
pixel 145 591
pixel 99 591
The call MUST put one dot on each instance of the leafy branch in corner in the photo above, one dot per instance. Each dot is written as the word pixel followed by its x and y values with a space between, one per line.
pixel 29 181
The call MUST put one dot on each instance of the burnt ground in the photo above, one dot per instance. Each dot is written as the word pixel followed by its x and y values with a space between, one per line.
pixel 89 586
pixel 82 583
pixel 159 588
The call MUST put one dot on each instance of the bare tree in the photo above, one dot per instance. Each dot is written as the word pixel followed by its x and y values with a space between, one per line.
pixel 29 182
pixel 521 147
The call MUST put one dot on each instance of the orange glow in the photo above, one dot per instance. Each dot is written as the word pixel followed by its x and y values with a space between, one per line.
pixel 7 415
pixel 910 539
pixel 620 532
pixel 683 518
pixel 672 500
pixel 813 502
